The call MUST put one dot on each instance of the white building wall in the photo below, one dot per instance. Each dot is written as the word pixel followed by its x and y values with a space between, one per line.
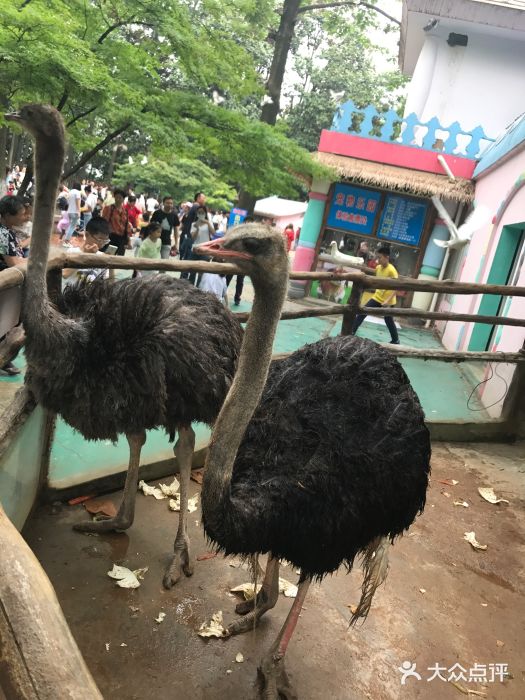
pixel 480 84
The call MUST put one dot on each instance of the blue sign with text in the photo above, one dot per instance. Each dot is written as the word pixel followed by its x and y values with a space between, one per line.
pixel 402 220
pixel 353 209
pixel 237 216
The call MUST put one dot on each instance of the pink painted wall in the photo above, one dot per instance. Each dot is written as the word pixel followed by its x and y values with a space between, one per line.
pixel 492 190
pixel 282 221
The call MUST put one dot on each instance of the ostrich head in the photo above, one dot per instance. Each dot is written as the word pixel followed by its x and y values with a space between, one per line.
pixel 44 123
pixel 257 249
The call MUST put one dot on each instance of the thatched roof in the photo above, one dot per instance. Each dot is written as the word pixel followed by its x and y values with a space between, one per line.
pixel 400 179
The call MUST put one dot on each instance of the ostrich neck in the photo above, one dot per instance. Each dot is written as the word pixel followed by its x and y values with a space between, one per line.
pixel 245 392
pixel 48 167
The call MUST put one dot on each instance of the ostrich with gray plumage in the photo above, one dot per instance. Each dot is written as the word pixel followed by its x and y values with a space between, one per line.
pixel 122 357
pixel 316 459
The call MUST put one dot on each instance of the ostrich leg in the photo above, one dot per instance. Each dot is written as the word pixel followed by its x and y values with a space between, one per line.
pixel 273 680
pixel 266 600
pixel 126 512
pixel 183 449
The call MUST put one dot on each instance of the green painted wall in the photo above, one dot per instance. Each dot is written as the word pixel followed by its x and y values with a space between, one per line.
pixel 499 273
pixel 20 469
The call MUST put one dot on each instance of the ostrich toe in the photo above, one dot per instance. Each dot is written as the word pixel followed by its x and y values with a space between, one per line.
pixel 180 563
pixel 247 606
pixel 273 681
pixel 104 525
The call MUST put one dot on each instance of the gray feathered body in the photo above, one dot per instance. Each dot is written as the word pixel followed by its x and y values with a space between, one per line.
pixel 146 353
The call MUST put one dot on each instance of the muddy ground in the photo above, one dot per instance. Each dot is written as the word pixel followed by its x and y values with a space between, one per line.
pixel 443 603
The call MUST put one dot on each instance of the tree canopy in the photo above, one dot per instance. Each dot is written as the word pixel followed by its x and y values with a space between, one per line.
pixel 179 82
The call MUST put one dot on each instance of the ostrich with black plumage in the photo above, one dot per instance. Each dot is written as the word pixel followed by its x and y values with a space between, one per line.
pixel 316 459
pixel 121 357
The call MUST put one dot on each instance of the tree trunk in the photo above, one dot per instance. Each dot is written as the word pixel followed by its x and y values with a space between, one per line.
pixel 27 178
pixel 272 106
pixel 283 41
pixel 3 156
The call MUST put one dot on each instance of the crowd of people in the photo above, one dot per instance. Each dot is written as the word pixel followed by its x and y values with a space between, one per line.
pixel 92 218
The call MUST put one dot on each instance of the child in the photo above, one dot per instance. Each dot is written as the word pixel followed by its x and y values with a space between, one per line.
pixel 96 237
pixel 150 246
pixel 214 284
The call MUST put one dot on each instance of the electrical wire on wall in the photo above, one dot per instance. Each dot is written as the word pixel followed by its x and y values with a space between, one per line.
pixel 493 373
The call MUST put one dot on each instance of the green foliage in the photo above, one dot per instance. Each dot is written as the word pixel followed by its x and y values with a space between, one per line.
pixel 180 179
pixel 332 59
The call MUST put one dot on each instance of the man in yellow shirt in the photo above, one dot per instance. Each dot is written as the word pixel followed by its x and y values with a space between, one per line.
pixel 383 297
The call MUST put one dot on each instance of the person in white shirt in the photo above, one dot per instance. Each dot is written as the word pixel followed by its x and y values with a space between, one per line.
pixel 97 236
pixel 214 284
pixel 89 205
pixel 151 204
pixel 73 212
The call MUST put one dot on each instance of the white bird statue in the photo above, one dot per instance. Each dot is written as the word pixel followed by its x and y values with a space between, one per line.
pixel 342 258
pixel 459 237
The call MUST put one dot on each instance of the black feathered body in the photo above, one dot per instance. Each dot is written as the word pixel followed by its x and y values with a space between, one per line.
pixel 336 454
pixel 146 353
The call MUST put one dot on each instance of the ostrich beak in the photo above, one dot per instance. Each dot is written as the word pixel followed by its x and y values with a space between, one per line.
pixel 216 249
pixel 13 117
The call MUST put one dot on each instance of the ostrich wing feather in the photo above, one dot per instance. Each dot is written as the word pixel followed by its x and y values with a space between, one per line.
pixel 375 568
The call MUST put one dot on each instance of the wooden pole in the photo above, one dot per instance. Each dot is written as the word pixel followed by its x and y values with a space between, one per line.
pixel 442 355
pixel 14 416
pixel 11 344
pixel 13 276
pixel 39 659
pixel 338 309
pixel 351 310
pixel 82 260
pixel 444 316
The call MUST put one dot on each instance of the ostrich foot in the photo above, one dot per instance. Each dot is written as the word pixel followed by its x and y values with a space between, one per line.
pixel 252 616
pixel 180 563
pixel 247 606
pixel 104 525
pixel 273 681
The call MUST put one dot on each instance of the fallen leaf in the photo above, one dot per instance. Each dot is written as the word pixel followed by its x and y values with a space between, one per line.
pixel 126 578
pixel 197 475
pixel 151 490
pixel 171 490
pixel 448 482
pixel 461 503
pixel 101 505
pixel 160 617
pixel 214 628
pixel 206 556
pixel 174 503
pixel 239 658
pixel 470 537
pixel 468 691
pixel 287 588
pixel 246 589
pixel 488 494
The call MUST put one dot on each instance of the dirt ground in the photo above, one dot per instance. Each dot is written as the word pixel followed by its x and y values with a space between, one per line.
pixel 443 603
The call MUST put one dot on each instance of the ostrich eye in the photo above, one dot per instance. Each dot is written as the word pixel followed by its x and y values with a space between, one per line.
pixel 254 245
